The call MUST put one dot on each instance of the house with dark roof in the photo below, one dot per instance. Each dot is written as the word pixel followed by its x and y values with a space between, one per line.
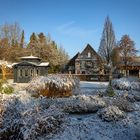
pixel 132 68
pixel 28 68
pixel 71 64
pixel 86 62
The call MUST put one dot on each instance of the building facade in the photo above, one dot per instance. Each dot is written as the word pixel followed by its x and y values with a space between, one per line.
pixel 87 62
pixel 28 68
pixel 132 68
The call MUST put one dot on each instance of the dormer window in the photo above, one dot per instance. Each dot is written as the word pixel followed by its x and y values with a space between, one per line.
pixel 89 54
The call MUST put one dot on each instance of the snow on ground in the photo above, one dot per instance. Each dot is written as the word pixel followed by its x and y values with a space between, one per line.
pixel 90 88
pixel 91 127
pixel 79 117
pixel 93 85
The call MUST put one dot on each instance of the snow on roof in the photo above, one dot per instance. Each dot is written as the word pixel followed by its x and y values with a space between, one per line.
pixel 44 64
pixel 8 64
pixel 13 64
pixel 30 57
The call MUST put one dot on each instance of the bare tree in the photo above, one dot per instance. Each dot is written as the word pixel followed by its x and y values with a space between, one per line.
pixel 106 47
pixel 107 41
pixel 12 32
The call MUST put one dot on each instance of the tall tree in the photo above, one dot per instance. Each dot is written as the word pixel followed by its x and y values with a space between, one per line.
pixel 22 39
pixel 33 44
pixel 41 38
pixel 115 56
pixel 33 40
pixel 127 50
pixel 63 56
pixel 42 45
pixel 107 41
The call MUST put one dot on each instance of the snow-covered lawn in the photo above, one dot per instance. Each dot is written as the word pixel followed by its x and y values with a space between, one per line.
pixel 93 85
pixel 84 116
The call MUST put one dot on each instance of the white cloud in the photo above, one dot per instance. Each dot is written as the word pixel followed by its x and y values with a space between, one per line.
pixel 71 29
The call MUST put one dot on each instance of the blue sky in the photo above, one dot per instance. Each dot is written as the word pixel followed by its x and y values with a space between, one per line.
pixel 74 23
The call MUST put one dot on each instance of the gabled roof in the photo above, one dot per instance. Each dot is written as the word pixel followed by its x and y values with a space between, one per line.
pixel 25 62
pixel 72 60
pixel 88 47
pixel 43 64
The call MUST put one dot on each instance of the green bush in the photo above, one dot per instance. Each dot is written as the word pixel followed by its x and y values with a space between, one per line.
pixel 5 88
pixel 8 89
pixel 110 91
pixel 1 84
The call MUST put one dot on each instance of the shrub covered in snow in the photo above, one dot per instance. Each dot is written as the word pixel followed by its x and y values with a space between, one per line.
pixel 132 96
pixel 43 123
pixel 111 113
pixel 80 104
pixel 53 85
pixel 126 84
pixel 123 104
pixel 28 119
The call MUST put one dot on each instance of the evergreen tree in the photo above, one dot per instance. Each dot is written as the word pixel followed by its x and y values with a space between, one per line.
pixel 107 41
pixel 42 43
pixel 22 40
pixel 33 40
pixel 41 38
pixel 33 44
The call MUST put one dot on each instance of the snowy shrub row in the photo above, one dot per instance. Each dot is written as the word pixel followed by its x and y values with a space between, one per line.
pixel 53 85
pixel 84 104
pixel 78 104
pixel 42 123
pixel 126 84
pixel 28 118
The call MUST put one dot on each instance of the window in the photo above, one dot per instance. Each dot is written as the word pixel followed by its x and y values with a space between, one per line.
pixel 89 54
pixel 31 72
pixel 37 72
pixel 26 72
pixel 83 72
pixel 83 64
pixel 20 73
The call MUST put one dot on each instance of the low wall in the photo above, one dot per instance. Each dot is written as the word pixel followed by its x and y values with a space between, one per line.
pixel 90 77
